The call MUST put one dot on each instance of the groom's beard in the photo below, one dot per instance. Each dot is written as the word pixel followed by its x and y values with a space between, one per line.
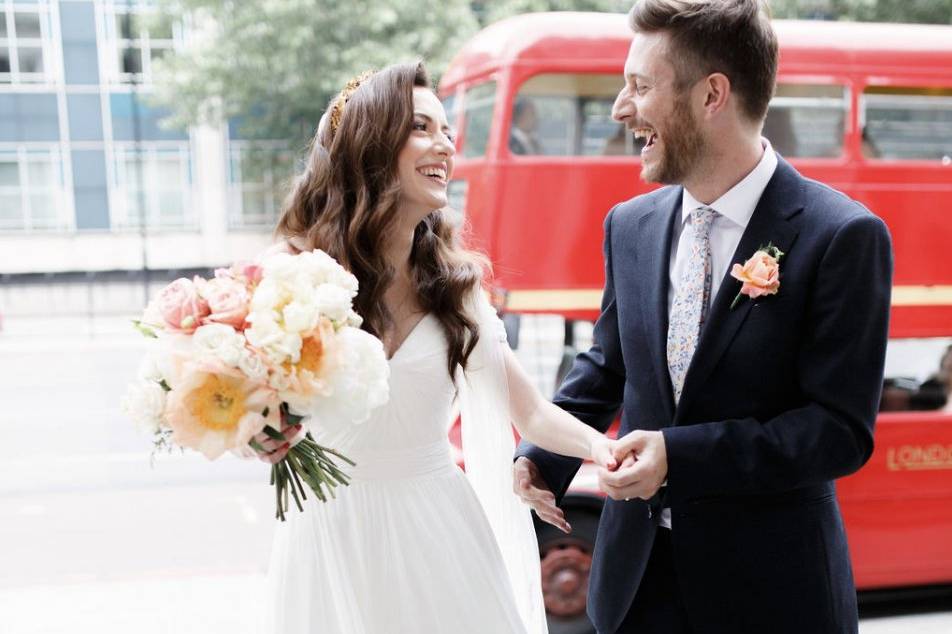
pixel 683 147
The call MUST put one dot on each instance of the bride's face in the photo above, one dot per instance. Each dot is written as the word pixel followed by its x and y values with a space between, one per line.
pixel 425 163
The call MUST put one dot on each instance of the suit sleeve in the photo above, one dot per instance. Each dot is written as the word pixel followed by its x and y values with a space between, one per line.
pixel 593 389
pixel 840 370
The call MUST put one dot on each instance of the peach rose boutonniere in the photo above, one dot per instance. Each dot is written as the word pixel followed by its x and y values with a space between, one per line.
pixel 760 275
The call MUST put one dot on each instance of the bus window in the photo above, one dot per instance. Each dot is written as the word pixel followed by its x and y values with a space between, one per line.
pixel 478 106
pixel 907 123
pixel 807 120
pixel 569 114
pixel 452 114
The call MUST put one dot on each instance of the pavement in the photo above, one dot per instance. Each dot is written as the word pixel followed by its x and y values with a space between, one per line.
pixel 96 539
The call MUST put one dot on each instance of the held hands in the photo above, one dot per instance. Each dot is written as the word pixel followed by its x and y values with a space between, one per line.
pixel 642 468
pixel 633 466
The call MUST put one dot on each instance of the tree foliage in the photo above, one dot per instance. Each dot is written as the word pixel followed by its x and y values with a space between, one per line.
pixel 912 11
pixel 276 63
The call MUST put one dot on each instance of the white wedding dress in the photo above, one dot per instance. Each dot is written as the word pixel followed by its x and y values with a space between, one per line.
pixel 407 547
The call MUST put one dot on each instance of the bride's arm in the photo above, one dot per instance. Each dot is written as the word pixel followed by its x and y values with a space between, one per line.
pixel 548 426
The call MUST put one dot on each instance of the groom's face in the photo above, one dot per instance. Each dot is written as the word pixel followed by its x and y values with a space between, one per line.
pixel 654 107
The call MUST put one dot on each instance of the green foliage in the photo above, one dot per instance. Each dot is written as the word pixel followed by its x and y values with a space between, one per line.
pixel 911 11
pixel 491 10
pixel 277 63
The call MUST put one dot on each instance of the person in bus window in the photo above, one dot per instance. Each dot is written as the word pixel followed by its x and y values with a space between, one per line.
pixel 525 123
pixel 742 337
pixel 413 544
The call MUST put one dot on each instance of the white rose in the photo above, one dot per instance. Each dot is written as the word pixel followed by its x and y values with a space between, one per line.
pixel 144 403
pixel 253 366
pixel 220 342
pixel 149 368
pixel 278 345
pixel 333 301
pixel 267 296
pixel 300 316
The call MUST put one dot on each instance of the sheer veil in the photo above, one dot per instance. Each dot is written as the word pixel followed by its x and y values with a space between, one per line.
pixel 488 448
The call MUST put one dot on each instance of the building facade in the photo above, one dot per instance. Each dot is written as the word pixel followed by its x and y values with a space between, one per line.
pixel 90 178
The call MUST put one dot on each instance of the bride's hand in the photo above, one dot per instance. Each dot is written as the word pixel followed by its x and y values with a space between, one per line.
pixel 603 451
pixel 273 451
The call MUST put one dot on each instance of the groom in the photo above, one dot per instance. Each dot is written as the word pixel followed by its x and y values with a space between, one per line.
pixel 737 416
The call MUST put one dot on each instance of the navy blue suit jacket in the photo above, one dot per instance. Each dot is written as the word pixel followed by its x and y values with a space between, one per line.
pixel 779 401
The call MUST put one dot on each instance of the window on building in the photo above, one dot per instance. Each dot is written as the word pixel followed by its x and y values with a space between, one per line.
pixel 478 112
pixel 569 114
pixel 31 191
pixel 24 43
pixel 907 123
pixel 154 182
pixel 259 179
pixel 140 36
pixel 807 120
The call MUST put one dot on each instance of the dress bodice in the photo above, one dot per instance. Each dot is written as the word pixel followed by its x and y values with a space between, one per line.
pixel 419 410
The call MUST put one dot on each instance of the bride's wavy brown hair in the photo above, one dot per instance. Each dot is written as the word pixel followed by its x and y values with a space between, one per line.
pixel 347 203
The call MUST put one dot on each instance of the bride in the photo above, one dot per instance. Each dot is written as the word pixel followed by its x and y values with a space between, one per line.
pixel 413 545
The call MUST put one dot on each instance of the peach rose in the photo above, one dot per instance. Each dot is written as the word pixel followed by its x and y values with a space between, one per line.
pixel 760 275
pixel 181 306
pixel 227 300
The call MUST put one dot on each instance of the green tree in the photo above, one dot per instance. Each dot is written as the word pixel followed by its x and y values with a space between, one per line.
pixel 913 11
pixel 489 11
pixel 275 64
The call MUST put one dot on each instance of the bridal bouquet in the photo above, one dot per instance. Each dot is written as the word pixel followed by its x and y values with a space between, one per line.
pixel 259 348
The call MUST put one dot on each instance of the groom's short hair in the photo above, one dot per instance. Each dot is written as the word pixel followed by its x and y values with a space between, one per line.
pixel 733 37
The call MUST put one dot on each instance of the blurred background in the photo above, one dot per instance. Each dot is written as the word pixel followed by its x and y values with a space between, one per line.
pixel 141 141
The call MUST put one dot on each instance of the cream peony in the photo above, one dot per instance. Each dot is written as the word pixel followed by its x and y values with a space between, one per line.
pixel 214 412
pixel 359 382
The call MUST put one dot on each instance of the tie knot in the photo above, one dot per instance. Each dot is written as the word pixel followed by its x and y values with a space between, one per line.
pixel 702 218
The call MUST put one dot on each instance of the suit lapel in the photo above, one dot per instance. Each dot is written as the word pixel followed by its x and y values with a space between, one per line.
pixel 654 253
pixel 770 222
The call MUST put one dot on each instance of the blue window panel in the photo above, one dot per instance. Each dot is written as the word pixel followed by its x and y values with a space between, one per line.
pixel 92 208
pixel 77 22
pixel 89 168
pixel 80 64
pixel 89 189
pixel 85 117
pixel 149 118
pixel 28 117
pixel 8 117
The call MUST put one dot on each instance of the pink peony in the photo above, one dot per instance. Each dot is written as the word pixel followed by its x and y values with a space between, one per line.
pixel 181 306
pixel 227 300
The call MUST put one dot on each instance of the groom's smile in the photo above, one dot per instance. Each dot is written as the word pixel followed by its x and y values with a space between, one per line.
pixel 655 106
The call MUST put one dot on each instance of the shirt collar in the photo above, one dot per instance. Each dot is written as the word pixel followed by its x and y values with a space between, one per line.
pixel 738 203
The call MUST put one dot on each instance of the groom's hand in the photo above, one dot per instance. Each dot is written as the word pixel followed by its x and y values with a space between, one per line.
pixel 643 469
pixel 528 484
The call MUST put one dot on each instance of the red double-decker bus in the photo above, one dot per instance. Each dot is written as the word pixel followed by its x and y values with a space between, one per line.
pixel 865 108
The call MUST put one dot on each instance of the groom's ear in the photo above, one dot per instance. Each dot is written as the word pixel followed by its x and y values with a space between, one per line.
pixel 717 91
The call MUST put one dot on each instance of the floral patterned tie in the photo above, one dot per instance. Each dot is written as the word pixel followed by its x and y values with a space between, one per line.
pixel 690 300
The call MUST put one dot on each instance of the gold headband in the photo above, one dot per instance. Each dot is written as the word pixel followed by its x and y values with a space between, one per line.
pixel 337 109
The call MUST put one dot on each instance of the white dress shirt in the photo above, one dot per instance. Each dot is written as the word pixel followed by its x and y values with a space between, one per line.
pixel 734 210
